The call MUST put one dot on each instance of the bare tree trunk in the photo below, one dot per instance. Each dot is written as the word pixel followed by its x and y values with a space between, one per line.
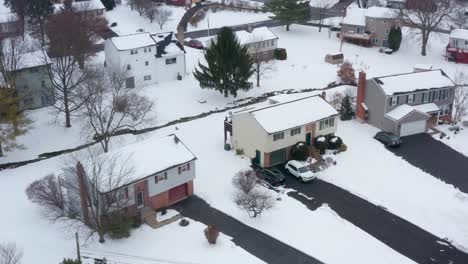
pixel 41 29
pixel 258 77
pixel 66 109
pixel 425 39
pixel 1 150
pixel 287 27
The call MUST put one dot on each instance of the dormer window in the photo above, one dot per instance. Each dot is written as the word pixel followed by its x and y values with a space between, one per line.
pixel 394 101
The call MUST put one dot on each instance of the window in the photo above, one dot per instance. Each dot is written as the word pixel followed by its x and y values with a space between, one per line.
pixel 129 67
pixel 278 136
pixel 326 123
pixel 146 63
pixel 160 178
pixel 133 52
pixel 171 61
pixel 436 95
pixel 28 101
pixel 425 97
pixel 272 42
pixel 373 29
pixel 146 77
pixel 295 131
pixel 149 49
pixel 374 40
pixel 34 70
pixel 43 84
pixel 144 50
pixel 394 101
pixel 184 168
pixel 410 98
pixel 387 31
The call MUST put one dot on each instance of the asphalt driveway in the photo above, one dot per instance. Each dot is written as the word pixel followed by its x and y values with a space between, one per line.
pixel 435 158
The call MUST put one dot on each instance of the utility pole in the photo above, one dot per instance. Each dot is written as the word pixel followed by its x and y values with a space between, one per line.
pixel 208 20
pixel 78 254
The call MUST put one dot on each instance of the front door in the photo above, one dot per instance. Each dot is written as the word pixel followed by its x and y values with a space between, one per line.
pixel 257 157
pixel 308 138
pixel 139 199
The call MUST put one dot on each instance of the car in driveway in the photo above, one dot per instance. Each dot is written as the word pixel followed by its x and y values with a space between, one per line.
pixel 271 175
pixel 196 44
pixel 300 170
pixel 389 139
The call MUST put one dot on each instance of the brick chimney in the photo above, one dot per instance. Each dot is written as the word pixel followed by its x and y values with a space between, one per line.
pixel 80 174
pixel 324 95
pixel 361 87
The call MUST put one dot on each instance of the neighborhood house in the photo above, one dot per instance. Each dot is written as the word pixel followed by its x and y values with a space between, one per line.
pixel 10 25
pixel 149 58
pixel 88 7
pixel 268 133
pixel 368 26
pixel 457 49
pixel 258 40
pixel 405 104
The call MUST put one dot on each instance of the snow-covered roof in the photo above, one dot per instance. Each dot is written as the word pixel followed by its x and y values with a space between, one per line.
pixel 459 34
pixel 33 59
pixel 133 41
pixel 380 12
pixel 357 16
pixel 402 111
pixel 8 17
pixel 427 108
pixel 323 3
pixel 257 34
pixel 283 116
pixel 155 155
pixel 84 5
pixel 426 67
pixel 414 81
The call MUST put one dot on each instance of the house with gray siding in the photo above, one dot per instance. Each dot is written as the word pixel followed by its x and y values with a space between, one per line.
pixel 33 82
pixel 405 104
pixel 368 27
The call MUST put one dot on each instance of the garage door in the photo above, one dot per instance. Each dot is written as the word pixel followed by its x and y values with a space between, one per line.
pixel 177 193
pixel 411 128
pixel 277 157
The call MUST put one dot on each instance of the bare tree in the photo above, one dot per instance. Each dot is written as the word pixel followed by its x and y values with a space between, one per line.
pixel 321 7
pixel 255 202
pixel 245 180
pixel 140 5
pixel 12 52
pixel 10 254
pixel 458 16
pixel 163 16
pixel 262 62
pixel 110 107
pixel 424 17
pixel 91 189
pixel 151 13
pixel 460 102
pixel 335 99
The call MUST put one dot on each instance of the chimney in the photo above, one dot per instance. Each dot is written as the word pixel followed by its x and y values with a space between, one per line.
pixel 249 28
pixel 80 174
pixel 361 87
pixel 324 95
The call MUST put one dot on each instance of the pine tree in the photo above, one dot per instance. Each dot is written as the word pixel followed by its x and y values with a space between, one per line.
pixel 289 11
pixel 394 38
pixel 229 65
pixel 37 12
pixel 346 111
pixel 109 4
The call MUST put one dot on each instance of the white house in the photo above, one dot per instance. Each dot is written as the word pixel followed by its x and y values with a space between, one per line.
pixel 150 58
pixel 268 133
pixel 87 7
pixel 457 49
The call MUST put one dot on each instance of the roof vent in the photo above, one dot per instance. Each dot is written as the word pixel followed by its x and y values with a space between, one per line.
pixel 378 81
pixel 176 139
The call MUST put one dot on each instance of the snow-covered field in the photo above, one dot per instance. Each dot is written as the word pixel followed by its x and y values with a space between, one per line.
pixel 228 18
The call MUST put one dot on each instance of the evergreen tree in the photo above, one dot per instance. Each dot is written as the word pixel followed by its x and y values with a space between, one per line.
pixel 394 38
pixel 229 66
pixel 109 4
pixel 289 11
pixel 346 111
pixel 37 12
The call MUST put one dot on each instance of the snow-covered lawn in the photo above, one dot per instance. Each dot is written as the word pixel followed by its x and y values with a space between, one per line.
pixel 223 18
pixel 368 170
pixel 458 142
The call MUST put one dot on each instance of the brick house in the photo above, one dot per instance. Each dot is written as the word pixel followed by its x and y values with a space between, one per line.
pixel 368 27
pixel 160 179
pixel 267 133
pixel 405 104
pixel 457 49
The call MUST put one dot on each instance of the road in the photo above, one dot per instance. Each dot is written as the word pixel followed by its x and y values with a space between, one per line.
pixel 435 158
pixel 397 233
pixel 257 243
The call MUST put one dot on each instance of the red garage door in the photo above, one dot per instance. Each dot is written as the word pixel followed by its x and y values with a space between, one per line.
pixel 178 193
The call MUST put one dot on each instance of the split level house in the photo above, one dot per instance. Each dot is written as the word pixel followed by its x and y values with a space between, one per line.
pixel 368 27
pixel 159 179
pixel 267 133
pixel 457 49
pixel 148 58
pixel 33 82
pixel 405 104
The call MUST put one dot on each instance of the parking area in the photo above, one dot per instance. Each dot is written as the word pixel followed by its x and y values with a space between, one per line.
pixel 435 158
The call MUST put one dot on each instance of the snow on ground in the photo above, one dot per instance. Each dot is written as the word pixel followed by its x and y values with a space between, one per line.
pixel 458 142
pixel 320 233
pixel 404 190
pixel 222 18
pixel 323 3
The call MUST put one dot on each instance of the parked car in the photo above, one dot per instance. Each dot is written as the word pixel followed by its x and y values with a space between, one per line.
pixel 300 170
pixel 273 176
pixel 389 139
pixel 195 43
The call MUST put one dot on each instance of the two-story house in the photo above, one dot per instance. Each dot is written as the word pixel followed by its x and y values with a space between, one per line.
pixel 33 82
pixel 158 180
pixel 368 26
pixel 267 133
pixel 258 40
pixel 149 58
pixel 457 49
pixel 405 104
pixel 94 8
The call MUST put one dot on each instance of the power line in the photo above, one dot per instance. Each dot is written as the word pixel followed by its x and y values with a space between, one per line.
pixel 94 252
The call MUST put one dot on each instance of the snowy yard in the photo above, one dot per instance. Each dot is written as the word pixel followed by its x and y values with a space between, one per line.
pixel 458 142
pixel 228 18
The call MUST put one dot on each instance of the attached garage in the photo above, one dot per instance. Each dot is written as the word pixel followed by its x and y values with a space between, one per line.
pixel 178 193
pixel 277 157
pixel 411 128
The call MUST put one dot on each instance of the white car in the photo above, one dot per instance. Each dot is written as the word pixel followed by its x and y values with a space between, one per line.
pixel 300 170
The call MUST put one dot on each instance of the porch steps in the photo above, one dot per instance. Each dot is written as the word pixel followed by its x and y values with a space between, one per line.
pixel 315 153
pixel 148 216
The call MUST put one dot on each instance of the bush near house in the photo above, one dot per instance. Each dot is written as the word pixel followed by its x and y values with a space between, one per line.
pixel 321 143
pixel 70 261
pixel 119 225
pixel 300 151
pixel 335 143
pixel 281 54
pixel 394 38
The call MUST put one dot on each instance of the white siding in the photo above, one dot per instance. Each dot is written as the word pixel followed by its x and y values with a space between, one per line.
pixel 326 131
pixel 458 43
pixel 173 179
pixel 247 134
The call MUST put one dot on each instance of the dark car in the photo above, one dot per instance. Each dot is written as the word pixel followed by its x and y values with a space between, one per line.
pixel 389 139
pixel 273 176
pixel 196 44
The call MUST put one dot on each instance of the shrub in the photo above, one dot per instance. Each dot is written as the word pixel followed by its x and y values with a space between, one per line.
pixel 70 261
pixel 119 225
pixel 335 143
pixel 343 148
pixel 239 152
pixel 136 221
pixel 211 234
pixel 281 54
pixel 245 180
pixel 321 144
pixel 346 73
pixel 394 38
pixel 300 151
pixel 114 24
pixel 184 222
